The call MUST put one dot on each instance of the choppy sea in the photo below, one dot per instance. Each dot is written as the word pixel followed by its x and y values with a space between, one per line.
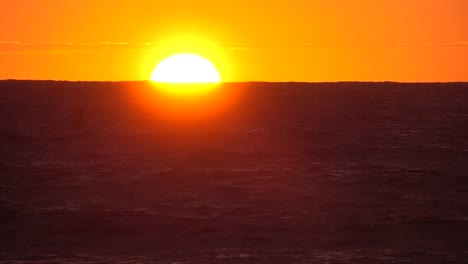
pixel 284 173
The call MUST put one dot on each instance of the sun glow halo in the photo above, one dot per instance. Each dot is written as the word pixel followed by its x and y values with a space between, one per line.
pixel 185 69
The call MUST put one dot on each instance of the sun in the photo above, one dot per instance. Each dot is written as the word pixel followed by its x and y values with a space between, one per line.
pixel 185 69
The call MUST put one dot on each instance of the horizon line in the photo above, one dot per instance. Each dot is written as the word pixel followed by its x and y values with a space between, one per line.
pixel 229 82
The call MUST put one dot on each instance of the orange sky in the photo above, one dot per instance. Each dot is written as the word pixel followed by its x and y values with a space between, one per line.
pixel 301 40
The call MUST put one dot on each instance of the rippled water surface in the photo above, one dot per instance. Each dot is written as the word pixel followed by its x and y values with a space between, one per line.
pixel 285 173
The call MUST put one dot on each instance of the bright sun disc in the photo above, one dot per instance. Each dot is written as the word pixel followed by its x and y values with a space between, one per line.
pixel 185 69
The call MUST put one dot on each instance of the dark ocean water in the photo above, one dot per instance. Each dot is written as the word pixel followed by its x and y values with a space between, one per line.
pixel 286 173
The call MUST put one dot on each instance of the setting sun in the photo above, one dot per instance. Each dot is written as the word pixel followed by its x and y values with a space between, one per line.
pixel 185 69
pixel 186 86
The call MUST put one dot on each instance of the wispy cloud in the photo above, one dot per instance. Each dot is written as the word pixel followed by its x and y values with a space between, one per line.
pixel 441 44
pixel 240 46
pixel 21 47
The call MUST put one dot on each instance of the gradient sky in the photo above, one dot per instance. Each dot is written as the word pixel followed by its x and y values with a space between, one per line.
pixel 301 40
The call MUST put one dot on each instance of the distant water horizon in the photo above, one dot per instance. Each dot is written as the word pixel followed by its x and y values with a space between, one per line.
pixel 234 82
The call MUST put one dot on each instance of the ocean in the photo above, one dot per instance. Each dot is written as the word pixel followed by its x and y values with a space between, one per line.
pixel 96 172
